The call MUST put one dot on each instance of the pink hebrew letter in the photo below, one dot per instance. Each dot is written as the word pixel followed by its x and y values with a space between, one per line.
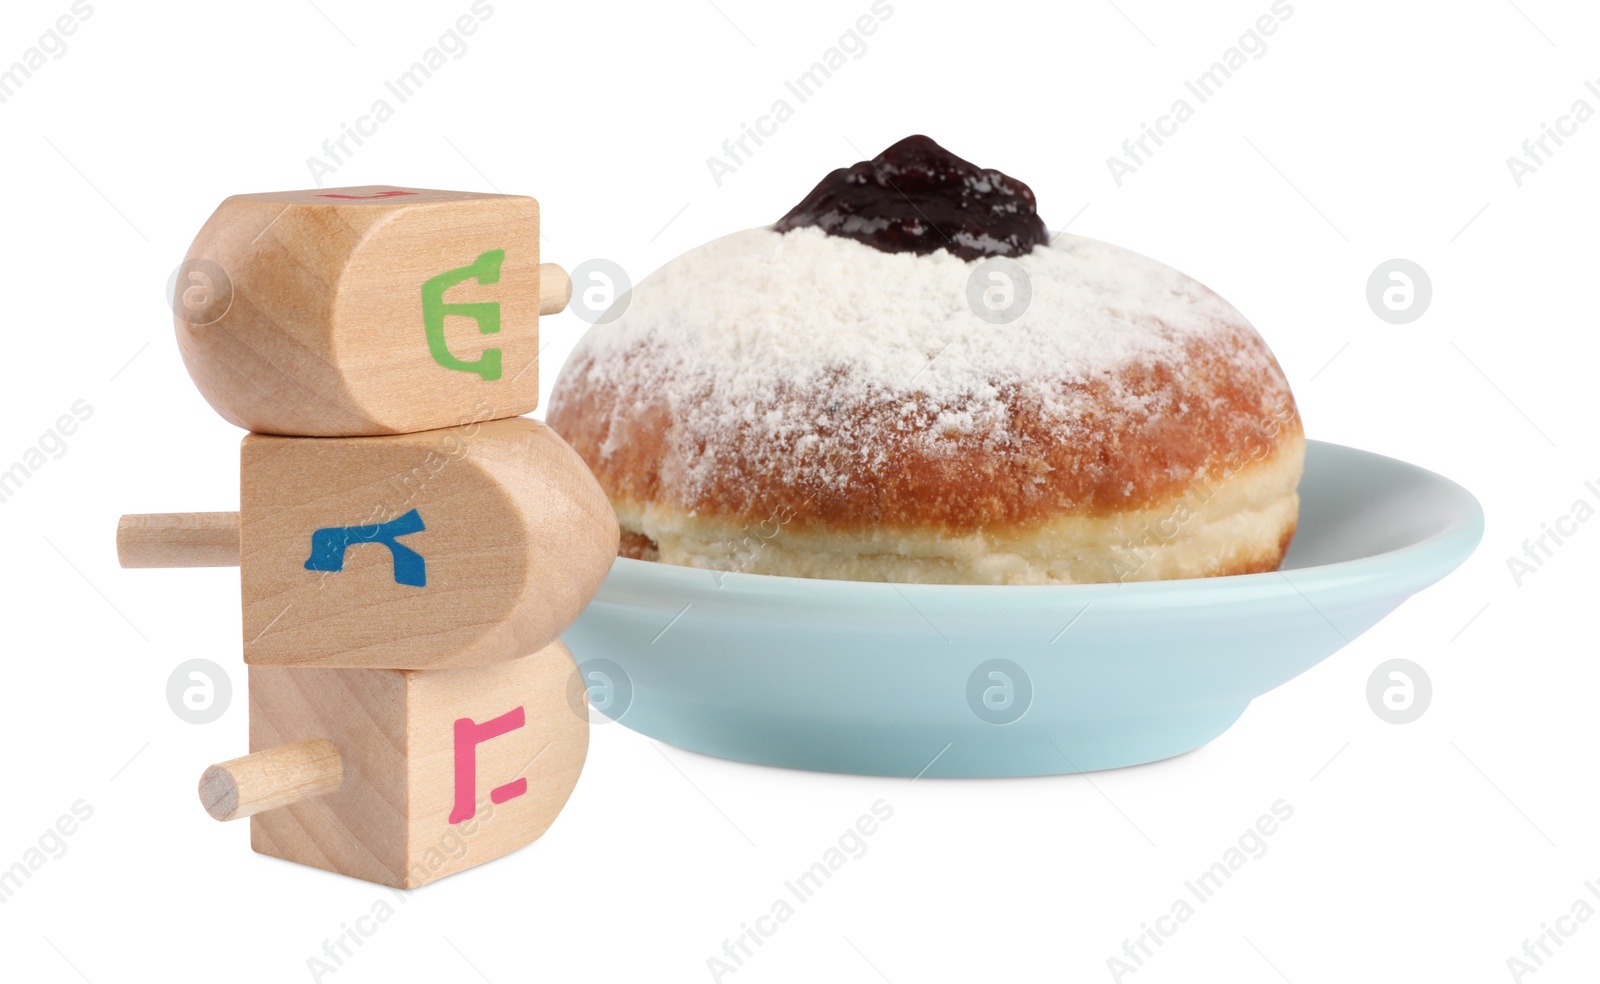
pixel 468 737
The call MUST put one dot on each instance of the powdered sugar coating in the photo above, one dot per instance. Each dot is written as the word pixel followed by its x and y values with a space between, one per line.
pixel 752 354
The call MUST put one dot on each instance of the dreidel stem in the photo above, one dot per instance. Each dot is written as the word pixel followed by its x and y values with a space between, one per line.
pixel 197 539
pixel 555 288
pixel 272 778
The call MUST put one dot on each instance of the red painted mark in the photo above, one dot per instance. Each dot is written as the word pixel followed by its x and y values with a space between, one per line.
pixel 468 737
pixel 381 194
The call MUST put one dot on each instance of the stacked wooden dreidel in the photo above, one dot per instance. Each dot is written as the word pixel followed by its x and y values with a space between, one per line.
pixel 410 548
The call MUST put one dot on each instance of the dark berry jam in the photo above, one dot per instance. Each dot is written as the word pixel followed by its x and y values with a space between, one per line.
pixel 917 197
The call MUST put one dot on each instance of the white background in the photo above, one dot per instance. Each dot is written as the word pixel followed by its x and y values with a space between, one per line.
pixel 1367 131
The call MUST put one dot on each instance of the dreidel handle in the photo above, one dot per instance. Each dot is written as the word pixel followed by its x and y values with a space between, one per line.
pixel 196 539
pixel 555 288
pixel 269 779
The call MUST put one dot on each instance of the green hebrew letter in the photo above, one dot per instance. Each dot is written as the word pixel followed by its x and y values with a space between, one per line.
pixel 485 270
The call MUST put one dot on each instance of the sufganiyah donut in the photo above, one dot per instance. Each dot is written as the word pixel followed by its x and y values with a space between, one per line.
pixel 824 398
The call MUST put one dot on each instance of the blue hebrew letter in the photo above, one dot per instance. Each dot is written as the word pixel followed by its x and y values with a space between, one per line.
pixel 328 546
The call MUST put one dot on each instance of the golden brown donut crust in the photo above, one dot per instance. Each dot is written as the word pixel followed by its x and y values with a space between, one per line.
pixel 1114 463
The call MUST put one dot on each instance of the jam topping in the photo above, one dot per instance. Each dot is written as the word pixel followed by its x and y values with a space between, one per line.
pixel 917 197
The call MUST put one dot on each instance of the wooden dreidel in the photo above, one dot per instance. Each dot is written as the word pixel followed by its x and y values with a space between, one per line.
pixel 404 776
pixel 459 547
pixel 341 312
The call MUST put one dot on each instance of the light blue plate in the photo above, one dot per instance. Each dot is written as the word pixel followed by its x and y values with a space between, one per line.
pixel 901 680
